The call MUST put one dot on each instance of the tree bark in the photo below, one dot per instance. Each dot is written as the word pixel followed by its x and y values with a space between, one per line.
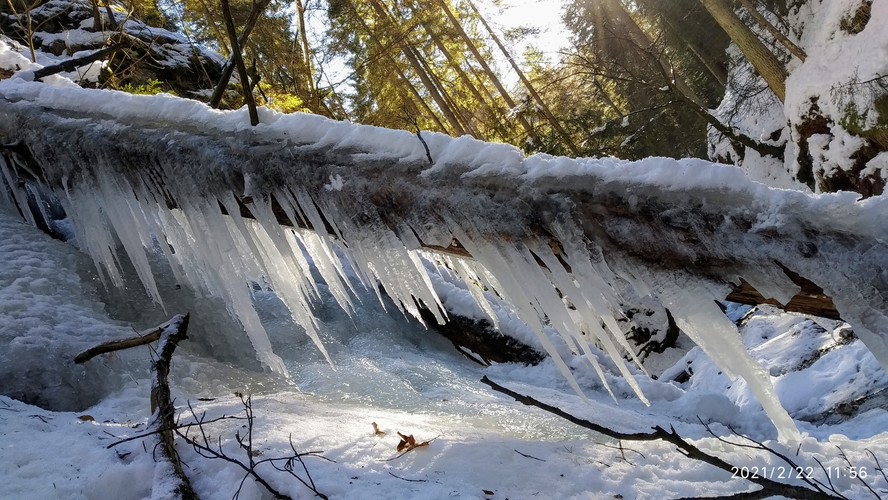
pixel 770 28
pixel 239 62
pixel 767 65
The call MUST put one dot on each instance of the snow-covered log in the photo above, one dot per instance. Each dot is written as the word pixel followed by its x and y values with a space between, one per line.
pixel 548 234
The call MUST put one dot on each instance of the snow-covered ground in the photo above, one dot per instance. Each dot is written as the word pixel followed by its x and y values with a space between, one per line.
pixel 393 372
pixel 57 419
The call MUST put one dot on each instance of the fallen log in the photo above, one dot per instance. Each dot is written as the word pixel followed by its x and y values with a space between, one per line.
pixel 73 64
pixel 550 235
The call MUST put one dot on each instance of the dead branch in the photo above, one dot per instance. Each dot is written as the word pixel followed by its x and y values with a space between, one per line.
pixel 409 480
pixel 214 450
pixel 73 64
pixel 528 456
pixel 768 486
pixel 228 68
pixel 145 337
pixel 165 429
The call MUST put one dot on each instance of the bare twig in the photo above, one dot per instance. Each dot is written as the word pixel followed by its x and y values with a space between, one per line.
pixel 204 447
pixel 878 465
pixel 410 480
pixel 141 338
pixel 178 426
pixel 769 487
pixel 528 456
pixel 851 466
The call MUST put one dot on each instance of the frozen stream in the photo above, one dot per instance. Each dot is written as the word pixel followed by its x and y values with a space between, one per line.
pixel 384 361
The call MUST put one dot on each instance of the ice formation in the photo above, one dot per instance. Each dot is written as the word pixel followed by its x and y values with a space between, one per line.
pixel 547 235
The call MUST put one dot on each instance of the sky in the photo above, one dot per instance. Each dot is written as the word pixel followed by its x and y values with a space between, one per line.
pixel 542 14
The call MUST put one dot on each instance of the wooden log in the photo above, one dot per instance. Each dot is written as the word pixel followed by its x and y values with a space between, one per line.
pixel 73 64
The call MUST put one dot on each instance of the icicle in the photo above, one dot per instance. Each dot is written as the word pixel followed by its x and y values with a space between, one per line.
pixel 591 310
pixel 21 199
pixel 206 244
pixel 92 233
pixel 323 254
pixel 35 194
pixel 512 289
pixel 771 282
pixel 594 281
pixel 148 205
pixel 474 286
pixel 697 314
pixel 123 212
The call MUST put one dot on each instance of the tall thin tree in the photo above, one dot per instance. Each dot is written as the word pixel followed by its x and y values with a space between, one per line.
pixel 547 112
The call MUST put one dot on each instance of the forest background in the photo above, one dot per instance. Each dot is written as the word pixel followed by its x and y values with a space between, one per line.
pixel 633 79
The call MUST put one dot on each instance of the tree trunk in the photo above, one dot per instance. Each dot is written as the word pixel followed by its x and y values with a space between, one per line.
pixel 464 120
pixel 228 68
pixel 413 58
pixel 467 81
pixel 315 100
pixel 382 50
pixel 486 68
pixel 530 88
pixel 770 28
pixel 718 71
pixel 767 65
pixel 644 43
pixel 239 62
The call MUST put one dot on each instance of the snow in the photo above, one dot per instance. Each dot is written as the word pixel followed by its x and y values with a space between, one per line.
pixel 416 385
pixel 222 256
pixel 275 281
pixel 841 79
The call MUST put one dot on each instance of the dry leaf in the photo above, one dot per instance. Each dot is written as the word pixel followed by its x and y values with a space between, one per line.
pixel 407 442
pixel 86 418
pixel 376 430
